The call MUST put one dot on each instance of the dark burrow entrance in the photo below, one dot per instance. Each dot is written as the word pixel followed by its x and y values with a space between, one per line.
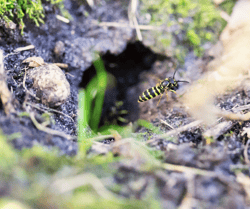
pixel 123 75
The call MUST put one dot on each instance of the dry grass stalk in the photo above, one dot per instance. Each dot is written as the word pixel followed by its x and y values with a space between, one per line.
pixel 245 182
pixel 63 19
pixel 181 129
pixel 71 183
pixel 5 94
pixel 122 25
pixel 48 130
pixel 218 130
pixel 24 48
pixel 189 170
pixel 132 17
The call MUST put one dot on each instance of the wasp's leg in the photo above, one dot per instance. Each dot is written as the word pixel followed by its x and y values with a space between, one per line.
pixel 173 91
pixel 159 100
pixel 167 95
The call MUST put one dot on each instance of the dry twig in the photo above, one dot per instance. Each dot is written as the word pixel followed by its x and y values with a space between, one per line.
pixel 61 65
pixel 68 184
pixel 185 169
pixel 218 130
pixel 122 25
pixel 167 124
pixel 5 94
pixel 44 109
pixel 241 108
pixel 24 48
pixel 132 17
pixel 49 130
pixel 102 137
pixel 188 200
pixel 246 153
pixel 245 182
pixel 38 61
pixel 232 116
pixel 24 86
pixel 181 129
pixel 63 19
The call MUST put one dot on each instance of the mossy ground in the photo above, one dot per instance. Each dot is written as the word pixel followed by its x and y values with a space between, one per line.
pixel 135 166
pixel 188 24
pixel 17 11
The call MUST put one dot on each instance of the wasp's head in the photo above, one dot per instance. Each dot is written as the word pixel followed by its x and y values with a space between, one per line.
pixel 170 83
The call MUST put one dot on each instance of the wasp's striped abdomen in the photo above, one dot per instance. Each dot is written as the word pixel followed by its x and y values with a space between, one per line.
pixel 149 94
pixel 168 84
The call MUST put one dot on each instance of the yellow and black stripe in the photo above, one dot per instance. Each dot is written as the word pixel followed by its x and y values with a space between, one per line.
pixel 168 84
pixel 149 94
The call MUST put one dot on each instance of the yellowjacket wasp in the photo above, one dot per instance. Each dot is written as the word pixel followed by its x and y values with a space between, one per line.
pixel 168 84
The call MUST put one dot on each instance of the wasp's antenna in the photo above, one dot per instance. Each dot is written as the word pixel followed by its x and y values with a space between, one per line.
pixel 182 81
pixel 174 73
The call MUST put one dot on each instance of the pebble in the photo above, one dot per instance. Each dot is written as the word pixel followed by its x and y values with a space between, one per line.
pixel 51 84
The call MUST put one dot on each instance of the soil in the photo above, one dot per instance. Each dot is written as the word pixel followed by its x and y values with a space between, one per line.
pixel 129 64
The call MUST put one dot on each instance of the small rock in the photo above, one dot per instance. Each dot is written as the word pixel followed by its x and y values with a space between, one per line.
pixel 10 25
pixel 51 84
pixel 59 48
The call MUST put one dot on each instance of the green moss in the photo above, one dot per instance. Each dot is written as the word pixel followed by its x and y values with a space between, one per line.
pixel 193 38
pixel 16 10
pixel 149 126
pixel 10 203
pixel 227 6
pixel 8 156
pixel 32 174
pixel 193 23
pixel 40 159
pixel 94 202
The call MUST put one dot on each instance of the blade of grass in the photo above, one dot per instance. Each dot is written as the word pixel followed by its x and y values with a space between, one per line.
pixel 102 83
pixel 83 115
pixel 91 91
pixel 89 114
pixel 83 124
pixel 149 126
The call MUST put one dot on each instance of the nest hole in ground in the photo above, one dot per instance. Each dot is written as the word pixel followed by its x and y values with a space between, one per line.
pixel 123 72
